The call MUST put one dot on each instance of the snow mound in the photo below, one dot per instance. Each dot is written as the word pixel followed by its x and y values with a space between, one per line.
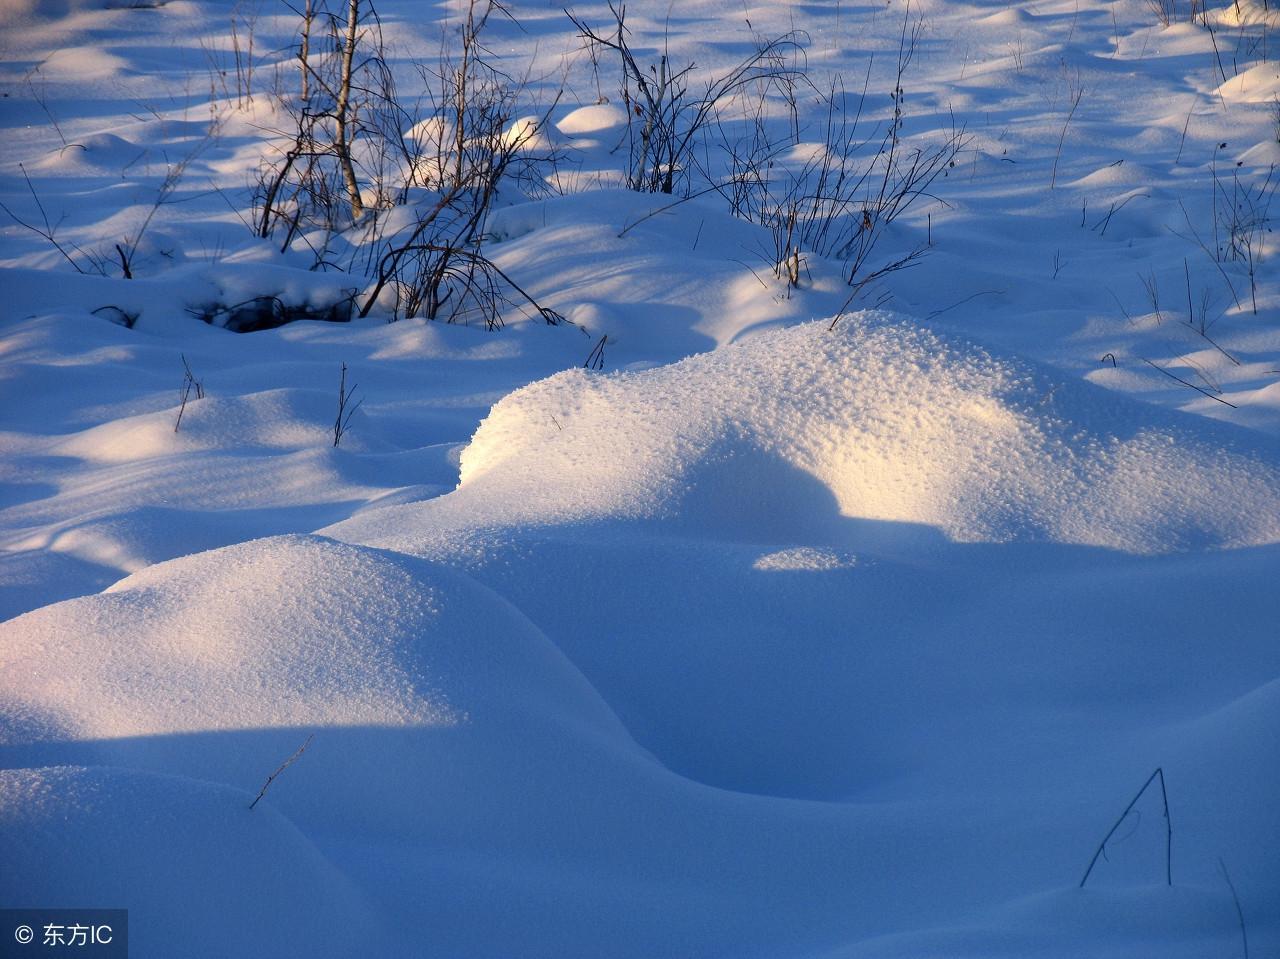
pixel 98 151
pixel 881 420
pixel 143 832
pixel 592 119
pixel 293 631
pixel 1257 84
pixel 280 419
pixel 529 133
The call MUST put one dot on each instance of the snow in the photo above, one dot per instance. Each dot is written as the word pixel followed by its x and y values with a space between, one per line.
pixel 892 423
pixel 791 625
pixel 143 833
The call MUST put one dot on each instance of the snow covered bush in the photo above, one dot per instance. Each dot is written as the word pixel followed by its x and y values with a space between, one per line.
pixel 350 165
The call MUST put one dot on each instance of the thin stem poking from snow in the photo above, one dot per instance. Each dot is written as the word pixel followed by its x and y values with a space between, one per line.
pixel 971 296
pixel 1174 376
pixel 283 766
pixel 1186 124
pixel 663 209
pixel 1164 796
pixel 595 359
pixel 1235 898
pixel 343 419
pixel 49 229
pixel 1216 52
pixel 1076 95
pixel 189 383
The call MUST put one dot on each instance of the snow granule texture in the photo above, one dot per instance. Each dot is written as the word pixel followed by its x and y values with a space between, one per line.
pixel 284 632
pixel 779 437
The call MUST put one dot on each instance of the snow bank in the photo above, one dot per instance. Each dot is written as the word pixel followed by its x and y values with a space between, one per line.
pixel 777 438
pixel 287 632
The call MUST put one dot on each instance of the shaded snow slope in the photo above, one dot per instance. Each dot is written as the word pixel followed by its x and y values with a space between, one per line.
pixel 704 543
pixel 776 560
pixel 186 857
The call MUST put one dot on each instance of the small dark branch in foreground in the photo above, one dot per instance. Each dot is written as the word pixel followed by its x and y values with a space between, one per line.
pixel 1185 383
pixel 1115 208
pixel 595 359
pixel 663 209
pixel 1244 933
pixel 283 766
pixel 116 315
pixel 1168 835
pixel 902 263
pixel 48 231
pixel 959 303
pixel 1152 286
pixel 343 419
pixel 189 384
pixel 124 262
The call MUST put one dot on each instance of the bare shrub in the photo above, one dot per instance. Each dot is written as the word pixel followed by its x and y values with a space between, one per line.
pixel 304 182
pixel 840 202
pixel 355 142
pixel 665 118
pixel 1243 221
pixel 469 141
pixel 47 230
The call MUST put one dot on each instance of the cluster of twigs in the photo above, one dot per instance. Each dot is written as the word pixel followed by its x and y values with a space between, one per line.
pixel 666 118
pixel 839 203
pixel 1171 11
pixel 349 163
pixel 344 162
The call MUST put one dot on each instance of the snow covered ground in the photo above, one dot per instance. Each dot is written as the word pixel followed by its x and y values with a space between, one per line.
pixel 755 636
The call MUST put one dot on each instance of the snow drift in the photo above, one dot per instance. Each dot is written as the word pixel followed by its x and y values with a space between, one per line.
pixel 775 438
pixel 662 614
pixel 293 631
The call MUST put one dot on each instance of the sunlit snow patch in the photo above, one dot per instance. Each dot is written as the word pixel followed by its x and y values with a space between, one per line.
pixel 788 436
